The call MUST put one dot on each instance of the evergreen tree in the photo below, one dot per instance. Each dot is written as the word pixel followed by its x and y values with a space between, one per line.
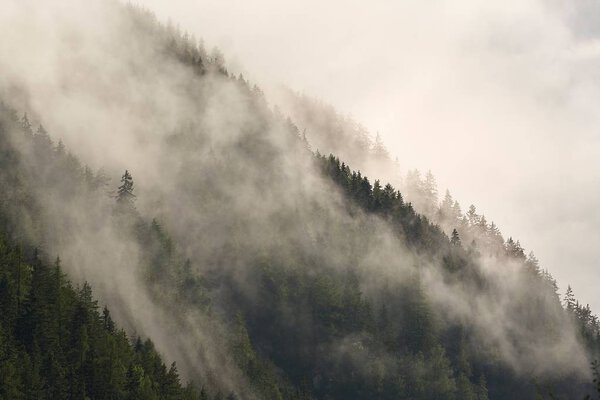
pixel 26 126
pixel 533 263
pixel 430 193
pixel 446 209
pixel 472 216
pixel 482 390
pixel 379 149
pixel 569 299
pixel 455 239
pixel 457 210
pixel 125 196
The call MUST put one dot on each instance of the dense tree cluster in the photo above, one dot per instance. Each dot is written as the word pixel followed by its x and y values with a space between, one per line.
pixel 428 237
pixel 57 343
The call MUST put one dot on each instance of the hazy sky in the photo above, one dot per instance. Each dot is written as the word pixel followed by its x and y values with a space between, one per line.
pixel 501 101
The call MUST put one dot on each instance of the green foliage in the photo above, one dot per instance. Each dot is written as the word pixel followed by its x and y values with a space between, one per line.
pixel 54 344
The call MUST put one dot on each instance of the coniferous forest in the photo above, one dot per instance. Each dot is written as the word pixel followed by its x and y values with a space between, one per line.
pixel 190 240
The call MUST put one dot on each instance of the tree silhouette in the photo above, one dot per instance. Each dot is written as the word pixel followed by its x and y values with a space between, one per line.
pixel 125 196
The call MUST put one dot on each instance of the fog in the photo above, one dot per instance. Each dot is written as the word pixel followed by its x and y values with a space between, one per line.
pixel 215 166
pixel 499 100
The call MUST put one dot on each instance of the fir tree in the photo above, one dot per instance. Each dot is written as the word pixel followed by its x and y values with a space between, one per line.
pixel 455 239
pixel 125 196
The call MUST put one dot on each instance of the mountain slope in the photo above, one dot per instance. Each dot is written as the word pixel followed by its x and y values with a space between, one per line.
pixel 261 268
pixel 55 343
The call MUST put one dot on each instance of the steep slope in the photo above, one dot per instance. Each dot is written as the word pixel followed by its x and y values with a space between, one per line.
pixel 262 269
pixel 56 344
pixel 329 132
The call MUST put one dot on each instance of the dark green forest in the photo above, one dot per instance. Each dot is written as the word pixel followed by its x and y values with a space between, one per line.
pixel 266 269
pixel 56 342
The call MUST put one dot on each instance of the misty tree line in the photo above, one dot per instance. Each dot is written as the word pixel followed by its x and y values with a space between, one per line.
pixel 54 170
pixel 424 235
pixel 331 132
pixel 308 331
pixel 55 341
pixel 453 372
pixel 327 129
pixel 349 140
pixel 472 230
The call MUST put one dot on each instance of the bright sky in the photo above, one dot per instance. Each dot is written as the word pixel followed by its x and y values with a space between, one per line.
pixel 499 99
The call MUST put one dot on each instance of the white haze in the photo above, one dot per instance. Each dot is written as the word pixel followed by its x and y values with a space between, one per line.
pixel 113 101
pixel 498 99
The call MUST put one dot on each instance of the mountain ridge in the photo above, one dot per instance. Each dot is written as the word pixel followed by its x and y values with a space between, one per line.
pixel 326 285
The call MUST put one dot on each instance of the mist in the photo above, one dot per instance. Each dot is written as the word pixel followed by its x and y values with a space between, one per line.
pixel 498 100
pixel 96 78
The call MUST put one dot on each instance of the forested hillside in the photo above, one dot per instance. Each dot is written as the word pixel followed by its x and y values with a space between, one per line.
pixel 330 132
pixel 263 268
pixel 57 343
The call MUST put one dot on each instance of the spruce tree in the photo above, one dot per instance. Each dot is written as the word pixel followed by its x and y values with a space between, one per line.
pixel 125 196
pixel 455 239
pixel 26 126
pixel 569 299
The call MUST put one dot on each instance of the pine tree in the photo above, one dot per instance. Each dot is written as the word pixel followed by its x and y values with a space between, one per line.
pixel 482 390
pixel 532 263
pixel 60 149
pixel 379 149
pixel 514 249
pixel 482 226
pixel 446 209
pixel 457 213
pixel 430 193
pixel 377 195
pixel 472 216
pixel 455 239
pixel 495 239
pixel 125 196
pixel 569 300
pixel 107 321
pixel 26 126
